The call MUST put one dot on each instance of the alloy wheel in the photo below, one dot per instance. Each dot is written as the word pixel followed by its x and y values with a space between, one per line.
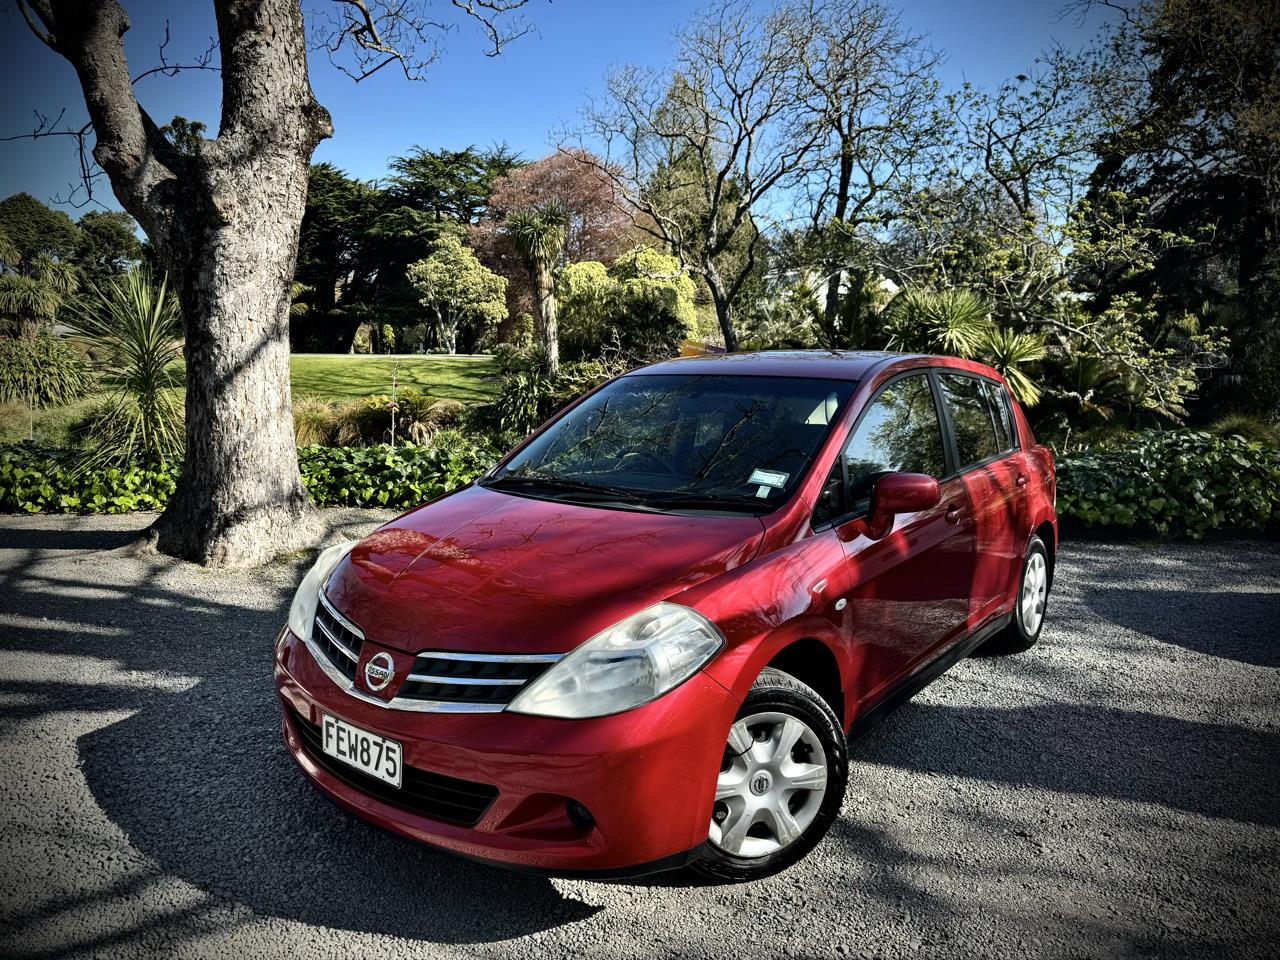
pixel 771 784
pixel 1035 590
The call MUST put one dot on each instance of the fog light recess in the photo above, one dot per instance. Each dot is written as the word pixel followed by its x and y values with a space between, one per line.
pixel 579 815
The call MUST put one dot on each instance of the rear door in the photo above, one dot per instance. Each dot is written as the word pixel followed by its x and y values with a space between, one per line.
pixel 992 472
pixel 910 589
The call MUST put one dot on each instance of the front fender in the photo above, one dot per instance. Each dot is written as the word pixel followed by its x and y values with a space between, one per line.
pixel 738 666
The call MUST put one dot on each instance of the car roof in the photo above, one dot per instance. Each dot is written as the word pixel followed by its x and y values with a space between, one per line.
pixel 827 364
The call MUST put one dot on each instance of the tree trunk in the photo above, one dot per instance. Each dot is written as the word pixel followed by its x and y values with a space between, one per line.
pixel 233 244
pixel 831 309
pixel 447 334
pixel 724 312
pixel 224 221
pixel 548 331
pixel 240 500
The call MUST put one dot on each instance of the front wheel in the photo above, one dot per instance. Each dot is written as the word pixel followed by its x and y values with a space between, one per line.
pixel 782 781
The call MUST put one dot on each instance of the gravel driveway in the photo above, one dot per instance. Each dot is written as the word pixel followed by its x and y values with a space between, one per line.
pixel 1116 791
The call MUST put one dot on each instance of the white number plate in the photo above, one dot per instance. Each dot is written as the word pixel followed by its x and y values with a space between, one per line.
pixel 375 755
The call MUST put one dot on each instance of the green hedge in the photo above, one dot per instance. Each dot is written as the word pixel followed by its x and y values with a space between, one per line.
pixel 1173 483
pixel 36 479
pixel 380 477
pixel 1177 483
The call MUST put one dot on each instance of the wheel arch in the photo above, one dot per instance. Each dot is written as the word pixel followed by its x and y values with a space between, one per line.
pixel 1048 533
pixel 814 664
pixel 806 647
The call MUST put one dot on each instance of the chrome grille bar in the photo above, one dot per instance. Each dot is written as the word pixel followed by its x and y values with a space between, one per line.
pixel 337 641
pixel 467 681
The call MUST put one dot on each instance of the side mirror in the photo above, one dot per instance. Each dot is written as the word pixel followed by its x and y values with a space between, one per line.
pixel 899 493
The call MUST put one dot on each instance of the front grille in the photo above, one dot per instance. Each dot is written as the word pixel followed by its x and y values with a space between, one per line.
pixel 430 794
pixel 479 678
pixel 339 644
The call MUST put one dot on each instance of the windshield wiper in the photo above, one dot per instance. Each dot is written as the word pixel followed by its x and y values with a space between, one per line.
pixel 654 499
pixel 566 484
pixel 705 501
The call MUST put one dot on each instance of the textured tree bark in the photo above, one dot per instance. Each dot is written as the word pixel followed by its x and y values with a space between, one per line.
pixel 241 499
pixel 722 300
pixel 225 223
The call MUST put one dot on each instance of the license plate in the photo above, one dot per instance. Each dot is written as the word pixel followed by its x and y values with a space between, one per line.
pixel 367 752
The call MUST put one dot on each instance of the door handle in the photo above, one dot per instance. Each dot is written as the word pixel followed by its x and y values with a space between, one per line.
pixel 1022 480
pixel 953 513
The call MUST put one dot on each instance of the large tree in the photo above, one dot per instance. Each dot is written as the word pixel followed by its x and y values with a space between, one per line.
pixel 450 185
pixel 873 97
pixel 224 220
pixel 1196 127
pixel 106 247
pixel 698 149
pixel 36 269
pixel 598 226
pixel 335 267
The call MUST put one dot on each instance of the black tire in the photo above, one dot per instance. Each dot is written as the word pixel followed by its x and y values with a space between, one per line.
pixel 778 692
pixel 1016 637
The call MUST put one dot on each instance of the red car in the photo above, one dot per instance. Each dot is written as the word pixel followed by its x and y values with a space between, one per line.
pixel 640 641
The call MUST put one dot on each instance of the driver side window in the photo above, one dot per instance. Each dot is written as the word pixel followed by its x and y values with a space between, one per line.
pixel 899 433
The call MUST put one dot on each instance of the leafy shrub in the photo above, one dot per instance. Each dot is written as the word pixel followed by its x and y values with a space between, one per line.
pixel 41 371
pixel 381 477
pixel 36 479
pixel 1180 482
pixel 367 421
pixel 528 396
pixel 642 305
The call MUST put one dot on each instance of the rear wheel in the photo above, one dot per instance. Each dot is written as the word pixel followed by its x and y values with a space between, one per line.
pixel 782 781
pixel 1028 606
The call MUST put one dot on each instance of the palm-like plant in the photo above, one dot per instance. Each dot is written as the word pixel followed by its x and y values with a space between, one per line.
pixel 34 296
pixel 1009 351
pixel 135 326
pixel 941 321
pixel 30 303
pixel 538 234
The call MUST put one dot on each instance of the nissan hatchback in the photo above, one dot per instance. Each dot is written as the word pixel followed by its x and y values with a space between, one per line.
pixel 642 639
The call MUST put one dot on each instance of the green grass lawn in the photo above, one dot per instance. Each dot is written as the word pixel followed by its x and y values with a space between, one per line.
pixel 338 376
pixel 325 376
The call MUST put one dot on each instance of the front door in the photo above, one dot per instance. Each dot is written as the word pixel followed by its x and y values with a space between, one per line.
pixel 910 589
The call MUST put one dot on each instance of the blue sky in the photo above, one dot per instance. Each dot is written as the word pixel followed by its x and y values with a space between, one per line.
pixel 522 97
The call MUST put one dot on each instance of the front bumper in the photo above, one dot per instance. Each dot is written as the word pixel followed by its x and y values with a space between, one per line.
pixel 646 776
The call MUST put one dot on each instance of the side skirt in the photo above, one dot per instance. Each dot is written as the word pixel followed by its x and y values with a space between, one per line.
pixel 925 675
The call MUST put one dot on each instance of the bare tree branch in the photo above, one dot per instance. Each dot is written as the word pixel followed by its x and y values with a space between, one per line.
pixel 363 36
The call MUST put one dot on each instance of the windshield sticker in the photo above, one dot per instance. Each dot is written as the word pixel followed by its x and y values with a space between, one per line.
pixel 769 478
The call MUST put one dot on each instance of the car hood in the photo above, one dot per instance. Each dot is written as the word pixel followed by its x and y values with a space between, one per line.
pixel 486 571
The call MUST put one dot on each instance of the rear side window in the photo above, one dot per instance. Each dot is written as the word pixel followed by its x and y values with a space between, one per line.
pixel 898 433
pixel 1000 411
pixel 974 418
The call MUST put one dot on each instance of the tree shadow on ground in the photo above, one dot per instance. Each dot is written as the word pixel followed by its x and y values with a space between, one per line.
pixel 200 782
pixel 1240 625
pixel 1090 750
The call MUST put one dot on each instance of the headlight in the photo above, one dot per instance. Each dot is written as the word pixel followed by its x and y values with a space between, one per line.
pixel 303 609
pixel 634 661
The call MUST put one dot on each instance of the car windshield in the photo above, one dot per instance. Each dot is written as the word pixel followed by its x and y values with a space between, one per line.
pixel 683 442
